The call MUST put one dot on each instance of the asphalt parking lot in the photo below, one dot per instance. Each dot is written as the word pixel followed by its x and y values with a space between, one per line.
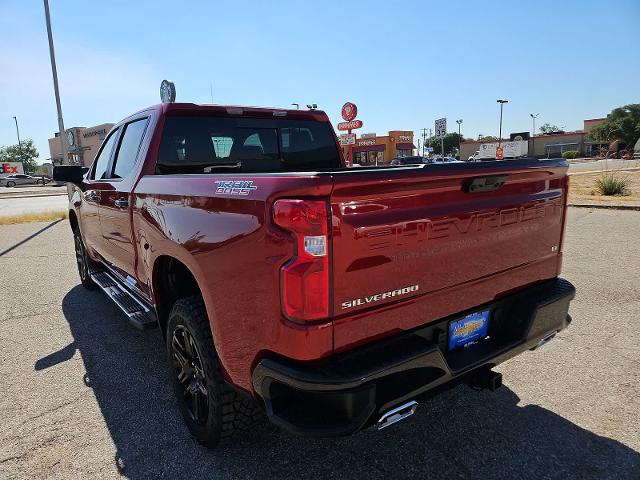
pixel 85 395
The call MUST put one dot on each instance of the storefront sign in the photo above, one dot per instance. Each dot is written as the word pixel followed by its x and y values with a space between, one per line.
pixel 405 138
pixel 167 92
pixel 348 139
pixel 349 111
pixel 93 133
pixel 9 168
pixel 352 125
pixel 367 142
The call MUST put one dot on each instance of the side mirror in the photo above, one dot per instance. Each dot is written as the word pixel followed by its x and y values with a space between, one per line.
pixel 69 174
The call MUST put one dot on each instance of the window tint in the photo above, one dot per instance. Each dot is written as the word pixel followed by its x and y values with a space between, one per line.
pixel 129 146
pixel 214 144
pixel 102 160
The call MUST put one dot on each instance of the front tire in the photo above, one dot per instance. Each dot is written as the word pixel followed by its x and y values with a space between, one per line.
pixel 211 409
pixel 11 184
pixel 83 262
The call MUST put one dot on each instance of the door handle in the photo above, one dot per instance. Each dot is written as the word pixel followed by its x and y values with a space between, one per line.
pixel 121 202
pixel 92 196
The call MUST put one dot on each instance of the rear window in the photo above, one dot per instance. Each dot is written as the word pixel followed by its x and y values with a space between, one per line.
pixel 214 144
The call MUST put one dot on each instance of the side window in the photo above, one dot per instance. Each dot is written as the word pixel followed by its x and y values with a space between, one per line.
pixel 129 147
pixel 102 160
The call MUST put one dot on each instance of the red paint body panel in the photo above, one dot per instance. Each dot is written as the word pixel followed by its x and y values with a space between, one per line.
pixel 390 228
pixel 460 249
pixel 235 254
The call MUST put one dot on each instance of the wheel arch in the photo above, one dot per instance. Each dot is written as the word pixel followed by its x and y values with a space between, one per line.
pixel 172 279
pixel 73 220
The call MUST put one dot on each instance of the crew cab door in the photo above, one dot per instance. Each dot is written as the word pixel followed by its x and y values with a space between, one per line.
pixel 118 247
pixel 95 184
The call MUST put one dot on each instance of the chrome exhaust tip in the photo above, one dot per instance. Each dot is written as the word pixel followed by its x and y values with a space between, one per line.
pixel 397 414
pixel 545 340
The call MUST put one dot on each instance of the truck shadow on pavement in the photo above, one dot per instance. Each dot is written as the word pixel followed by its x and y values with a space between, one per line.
pixel 460 434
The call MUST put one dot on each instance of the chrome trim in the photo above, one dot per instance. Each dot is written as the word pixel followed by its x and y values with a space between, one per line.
pixel 397 414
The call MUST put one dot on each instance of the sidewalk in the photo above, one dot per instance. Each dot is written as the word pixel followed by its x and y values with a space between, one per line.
pixel 32 191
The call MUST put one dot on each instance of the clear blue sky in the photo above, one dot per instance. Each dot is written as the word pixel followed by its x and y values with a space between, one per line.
pixel 403 63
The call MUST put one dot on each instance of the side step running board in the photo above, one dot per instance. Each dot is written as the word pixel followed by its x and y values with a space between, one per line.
pixel 140 315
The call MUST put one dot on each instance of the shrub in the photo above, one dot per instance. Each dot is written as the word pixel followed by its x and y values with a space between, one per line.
pixel 612 185
pixel 570 154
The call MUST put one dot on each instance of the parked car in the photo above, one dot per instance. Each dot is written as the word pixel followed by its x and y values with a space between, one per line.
pixel 19 179
pixel 437 160
pixel 331 299
pixel 412 160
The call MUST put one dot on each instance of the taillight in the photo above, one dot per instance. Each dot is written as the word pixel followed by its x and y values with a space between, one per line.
pixel 305 278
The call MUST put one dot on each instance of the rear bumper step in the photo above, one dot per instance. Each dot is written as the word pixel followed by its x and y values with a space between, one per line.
pixel 354 389
pixel 140 315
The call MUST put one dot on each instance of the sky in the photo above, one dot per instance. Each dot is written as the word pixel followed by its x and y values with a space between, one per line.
pixel 404 64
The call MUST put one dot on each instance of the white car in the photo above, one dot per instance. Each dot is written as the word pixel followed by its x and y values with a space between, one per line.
pixel 19 179
pixel 440 160
pixel 475 156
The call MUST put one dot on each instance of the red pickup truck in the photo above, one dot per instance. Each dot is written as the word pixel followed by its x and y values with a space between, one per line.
pixel 331 299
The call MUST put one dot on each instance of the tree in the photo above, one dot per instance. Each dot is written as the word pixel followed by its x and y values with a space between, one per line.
pixel 623 123
pixel 547 129
pixel 26 153
pixel 487 138
pixel 451 142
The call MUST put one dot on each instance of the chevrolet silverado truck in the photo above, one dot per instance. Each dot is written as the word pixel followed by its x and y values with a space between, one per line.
pixel 284 283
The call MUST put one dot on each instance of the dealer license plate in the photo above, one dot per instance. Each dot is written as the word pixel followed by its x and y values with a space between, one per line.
pixel 469 329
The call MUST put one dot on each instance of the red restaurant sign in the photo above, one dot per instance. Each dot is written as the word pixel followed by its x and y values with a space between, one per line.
pixel 350 125
pixel 349 111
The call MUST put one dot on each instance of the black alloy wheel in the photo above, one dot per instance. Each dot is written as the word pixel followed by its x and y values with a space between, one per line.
pixel 191 376
pixel 83 262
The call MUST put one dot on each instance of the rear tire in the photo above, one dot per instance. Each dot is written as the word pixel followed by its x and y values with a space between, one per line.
pixel 11 184
pixel 83 262
pixel 211 409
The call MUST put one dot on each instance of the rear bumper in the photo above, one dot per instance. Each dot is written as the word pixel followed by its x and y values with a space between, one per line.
pixel 351 390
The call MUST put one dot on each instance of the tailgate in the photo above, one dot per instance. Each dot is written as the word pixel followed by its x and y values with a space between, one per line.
pixel 402 236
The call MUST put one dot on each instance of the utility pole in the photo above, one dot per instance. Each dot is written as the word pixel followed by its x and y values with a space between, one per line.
pixel 424 140
pixel 501 102
pixel 54 71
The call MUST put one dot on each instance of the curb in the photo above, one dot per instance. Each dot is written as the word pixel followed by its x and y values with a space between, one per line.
pixel 614 170
pixel 605 206
pixel 33 196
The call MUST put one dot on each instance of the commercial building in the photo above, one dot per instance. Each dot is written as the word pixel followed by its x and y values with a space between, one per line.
pixel 371 149
pixel 552 145
pixel 82 144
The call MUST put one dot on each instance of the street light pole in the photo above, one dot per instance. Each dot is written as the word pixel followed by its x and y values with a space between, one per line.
pixel 54 71
pixel 533 132
pixel 18 134
pixel 501 102
pixel 459 122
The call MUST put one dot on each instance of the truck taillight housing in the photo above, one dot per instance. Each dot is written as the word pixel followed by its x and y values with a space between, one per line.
pixel 305 278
